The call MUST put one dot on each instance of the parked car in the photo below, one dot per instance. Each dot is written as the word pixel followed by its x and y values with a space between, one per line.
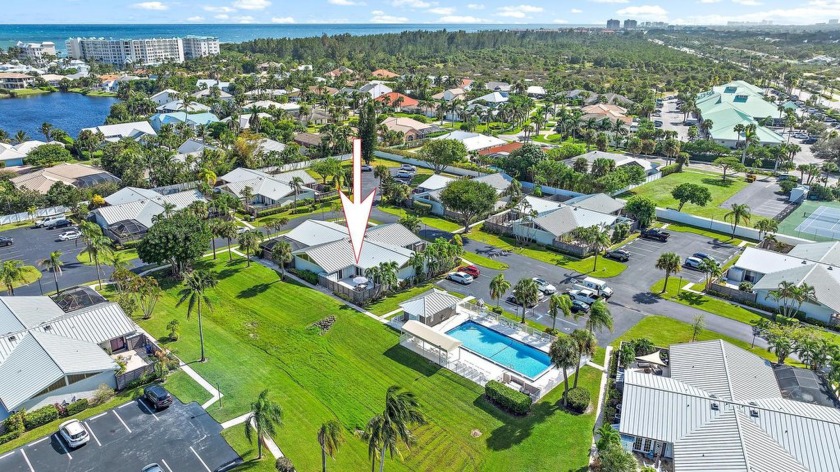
pixel 60 223
pixel 152 468
pixel 658 234
pixel 70 235
pixel 800 135
pixel 703 256
pixel 404 174
pixel 596 285
pixel 157 396
pixel 366 168
pixel 693 263
pixel 579 307
pixel 544 286
pixel 460 277
pixel 810 140
pixel 6 241
pixel 585 296
pixel 43 221
pixel 73 433
pixel 408 168
pixel 618 255
pixel 470 269
pixel 511 299
pixel 657 123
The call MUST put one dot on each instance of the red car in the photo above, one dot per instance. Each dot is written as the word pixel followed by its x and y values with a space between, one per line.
pixel 470 269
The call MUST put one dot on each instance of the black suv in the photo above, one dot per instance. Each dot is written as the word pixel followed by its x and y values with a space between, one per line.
pixel 6 241
pixel 618 255
pixel 656 233
pixel 157 396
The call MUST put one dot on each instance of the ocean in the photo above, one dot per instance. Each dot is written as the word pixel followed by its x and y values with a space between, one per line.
pixel 11 34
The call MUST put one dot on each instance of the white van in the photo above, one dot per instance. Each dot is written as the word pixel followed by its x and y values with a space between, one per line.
pixel 43 221
pixel 598 286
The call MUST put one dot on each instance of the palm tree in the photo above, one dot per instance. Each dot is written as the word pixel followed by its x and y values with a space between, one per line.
pixel 98 246
pixel 297 186
pixel 228 230
pixel 46 130
pixel 598 240
pixel 586 344
pixel 607 436
pixel 249 241
pixel 740 212
pixel 265 417
pixel 765 226
pixel 739 128
pixel 21 137
pixel 53 263
pixel 11 273
pixel 498 287
pixel 564 355
pixel 330 438
pixel 247 195
pixel 385 431
pixel 194 293
pixel 670 262
pixel 527 294
pixel 207 175
pixel 281 254
pixel 599 317
pixel 558 304
pixel 712 269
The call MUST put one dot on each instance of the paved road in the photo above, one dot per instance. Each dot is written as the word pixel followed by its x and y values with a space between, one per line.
pixel 129 437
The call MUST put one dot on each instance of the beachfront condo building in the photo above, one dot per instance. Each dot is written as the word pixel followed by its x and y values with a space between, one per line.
pixel 152 51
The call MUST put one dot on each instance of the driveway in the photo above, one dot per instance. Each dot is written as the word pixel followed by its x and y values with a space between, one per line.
pixel 672 119
pixel 129 437
pixel 762 198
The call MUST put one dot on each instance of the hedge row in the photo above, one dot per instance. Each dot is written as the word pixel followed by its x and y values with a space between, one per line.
pixel 40 417
pixel 507 398
pixel 14 427
pixel 22 421
pixel 578 399
pixel 669 169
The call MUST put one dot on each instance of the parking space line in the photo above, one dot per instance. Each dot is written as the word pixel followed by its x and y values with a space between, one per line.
pixel 97 416
pixel 7 455
pixel 38 441
pixel 163 461
pixel 60 443
pixel 90 430
pixel 200 459
pixel 125 405
pixel 31 469
pixel 121 421
pixel 147 408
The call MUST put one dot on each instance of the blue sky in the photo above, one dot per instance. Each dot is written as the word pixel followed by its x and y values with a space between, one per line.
pixel 417 11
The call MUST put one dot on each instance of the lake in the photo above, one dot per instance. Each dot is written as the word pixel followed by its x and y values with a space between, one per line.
pixel 68 111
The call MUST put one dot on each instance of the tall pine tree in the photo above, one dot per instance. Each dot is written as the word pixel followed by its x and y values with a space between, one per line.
pixel 367 130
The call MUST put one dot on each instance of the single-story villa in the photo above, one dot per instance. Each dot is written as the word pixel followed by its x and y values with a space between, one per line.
pixel 206 84
pixel 208 93
pixel 50 356
pixel 180 105
pixel 450 95
pixel 134 130
pixel 77 175
pixel 473 141
pixel 712 406
pixel 619 159
pixel 430 308
pixel 553 226
pixel 135 210
pixel 12 156
pixel 267 105
pixel 268 190
pixel 410 128
pixel 431 196
pixel 399 101
pixel 535 91
pixel 599 202
pixel 165 96
pixel 492 99
pixel 384 74
pixel 495 86
pixel 599 111
pixel 192 120
pixel 815 264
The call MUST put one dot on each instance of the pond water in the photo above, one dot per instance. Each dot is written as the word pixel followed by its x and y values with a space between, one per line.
pixel 70 112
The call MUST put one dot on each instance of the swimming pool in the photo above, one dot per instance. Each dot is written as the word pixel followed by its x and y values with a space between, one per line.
pixel 503 350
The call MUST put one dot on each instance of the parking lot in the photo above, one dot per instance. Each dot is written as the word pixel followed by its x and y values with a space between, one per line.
pixel 762 198
pixel 182 438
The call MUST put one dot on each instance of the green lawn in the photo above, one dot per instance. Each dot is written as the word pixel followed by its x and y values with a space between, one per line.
pixel 727 238
pixel 431 221
pixel 392 302
pixel 29 274
pixel 483 261
pixel 126 255
pixel 663 332
pixel 660 191
pixel 606 267
pixel 710 304
pixel 600 355
pixel 19 224
pixel 259 336
pixel 235 436
pixel 186 389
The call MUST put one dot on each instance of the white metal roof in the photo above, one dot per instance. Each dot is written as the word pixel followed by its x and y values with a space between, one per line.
pixel 337 255
pixel 130 194
pixel 314 232
pixel 435 338
pixel 765 262
pixel 565 219
pixel 143 211
pixel 73 356
pixel 497 181
pixel 124 130
pixel 600 202
pixel 435 182
pixel 21 313
pixel 827 252
pixel 429 303
pixel 26 372
pixel 394 234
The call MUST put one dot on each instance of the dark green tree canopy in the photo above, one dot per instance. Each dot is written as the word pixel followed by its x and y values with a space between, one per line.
pixel 179 240
pixel 519 163
pixel 441 153
pixel 48 154
pixel 643 209
pixel 691 193
pixel 470 198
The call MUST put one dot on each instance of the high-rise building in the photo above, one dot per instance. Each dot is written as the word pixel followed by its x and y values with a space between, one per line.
pixel 833 21
pixel 36 51
pixel 141 51
pixel 613 24
pixel 630 24
pixel 197 46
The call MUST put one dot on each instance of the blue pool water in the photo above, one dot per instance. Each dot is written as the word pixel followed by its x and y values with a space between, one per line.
pixel 501 349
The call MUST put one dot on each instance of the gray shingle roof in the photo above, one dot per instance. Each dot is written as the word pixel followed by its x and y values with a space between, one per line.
pixel 429 303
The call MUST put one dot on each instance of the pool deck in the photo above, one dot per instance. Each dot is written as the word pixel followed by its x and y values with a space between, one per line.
pixel 469 364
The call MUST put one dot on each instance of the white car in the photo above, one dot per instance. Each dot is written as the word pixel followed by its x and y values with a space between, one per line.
pixel 70 235
pixel 74 433
pixel 586 296
pixel 43 221
pixel 544 286
pixel 408 168
pixel 693 263
pixel 404 174
pixel 460 277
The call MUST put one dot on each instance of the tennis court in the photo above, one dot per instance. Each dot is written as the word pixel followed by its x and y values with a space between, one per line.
pixel 819 221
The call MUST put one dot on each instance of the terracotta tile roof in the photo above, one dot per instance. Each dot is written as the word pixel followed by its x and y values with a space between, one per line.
pixel 392 98
pixel 384 74
pixel 509 147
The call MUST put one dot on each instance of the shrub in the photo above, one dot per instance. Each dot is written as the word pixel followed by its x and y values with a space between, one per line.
pixel 578 399
pixel 10 436
pixel 670 169
pixel 787 186
pixel 14 422
pixel 40 417
pixel 284 464
pixel 103 394
pixel 507 398
pixel 307 276
pixel 745 286
pixel 272 211
pixel 422 208
pixel 77 406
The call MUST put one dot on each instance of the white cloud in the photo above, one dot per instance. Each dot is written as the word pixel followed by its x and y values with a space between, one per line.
pixel 609 1
pixel 645 12
pixel 244 19
pixel 709 1
pixel 749 3
pixel 283 21
pixel 252 4
pixel 475 6
pixel 343 3
pixel 329 21
pixel 195 18
pixel 222 16
pixel 461 19
pixel 411 3
pixel 518 11
pixel 789 16
pixel 379 16
pixel 576 10
pixel 219 9
pixel 442 11
pixel 150 6
pixel 560 21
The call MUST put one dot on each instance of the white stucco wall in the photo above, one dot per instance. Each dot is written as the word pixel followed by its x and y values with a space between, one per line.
pixel 816 311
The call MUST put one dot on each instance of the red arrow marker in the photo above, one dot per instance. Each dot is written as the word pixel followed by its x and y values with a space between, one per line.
pixel 357 211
